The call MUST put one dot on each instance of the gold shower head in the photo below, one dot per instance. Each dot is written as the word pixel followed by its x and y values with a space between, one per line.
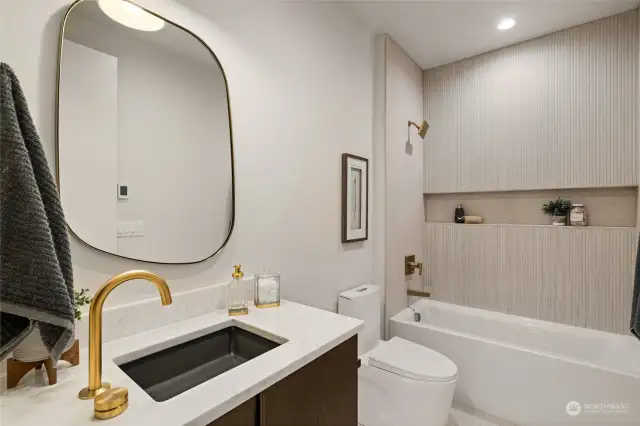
pixel 422 128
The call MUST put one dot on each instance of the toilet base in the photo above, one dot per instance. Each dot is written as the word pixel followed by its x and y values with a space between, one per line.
pixel 386 399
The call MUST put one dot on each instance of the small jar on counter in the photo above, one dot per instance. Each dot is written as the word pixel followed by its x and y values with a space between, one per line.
pixel 578 215
pixel 266 293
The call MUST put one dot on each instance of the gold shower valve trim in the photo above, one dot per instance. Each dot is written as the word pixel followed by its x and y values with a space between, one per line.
pixel 410 265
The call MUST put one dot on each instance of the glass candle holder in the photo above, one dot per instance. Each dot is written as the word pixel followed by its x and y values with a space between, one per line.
pixel 267 290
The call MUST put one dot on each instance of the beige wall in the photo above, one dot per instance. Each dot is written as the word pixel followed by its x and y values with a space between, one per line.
pixel 404 214
pixel 576 276
pixel 560 111
pixel 606 206
pixel 514 128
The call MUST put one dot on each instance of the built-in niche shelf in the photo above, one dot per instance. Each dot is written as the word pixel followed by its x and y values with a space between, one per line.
pixel 608 207
pixel 516 225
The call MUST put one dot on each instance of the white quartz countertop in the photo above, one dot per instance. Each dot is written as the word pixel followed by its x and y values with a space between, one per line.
pixel 309 333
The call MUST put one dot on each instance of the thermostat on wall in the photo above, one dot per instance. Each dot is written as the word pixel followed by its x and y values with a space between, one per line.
pixel 123 191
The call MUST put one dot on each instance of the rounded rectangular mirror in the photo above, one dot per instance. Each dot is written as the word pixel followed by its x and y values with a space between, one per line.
pixel 144 142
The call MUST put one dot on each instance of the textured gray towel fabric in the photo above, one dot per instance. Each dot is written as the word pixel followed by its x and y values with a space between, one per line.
pixel 635 308
pixel 36 278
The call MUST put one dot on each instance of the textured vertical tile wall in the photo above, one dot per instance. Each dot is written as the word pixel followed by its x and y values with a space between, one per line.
pixel 575 276
pixel 560 111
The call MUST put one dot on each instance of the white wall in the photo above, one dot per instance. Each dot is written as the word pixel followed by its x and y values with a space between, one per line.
pixel 404 211
pixel 300 77
pixel 88 160
pixel 173 143
pixel 174 153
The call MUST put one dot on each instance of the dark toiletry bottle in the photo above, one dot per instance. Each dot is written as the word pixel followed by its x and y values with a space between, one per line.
pixel 459 214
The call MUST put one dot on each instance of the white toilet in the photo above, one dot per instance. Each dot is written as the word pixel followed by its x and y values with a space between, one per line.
pixel 399 382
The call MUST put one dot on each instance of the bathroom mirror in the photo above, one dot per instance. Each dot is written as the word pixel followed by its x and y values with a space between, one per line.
pixel 144 142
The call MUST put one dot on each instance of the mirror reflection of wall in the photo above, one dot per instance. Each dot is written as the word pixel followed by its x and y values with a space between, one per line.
pixel 145 158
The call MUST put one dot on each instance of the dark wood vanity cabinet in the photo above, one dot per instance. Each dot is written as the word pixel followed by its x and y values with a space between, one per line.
pixel 322 393
pixel 242 415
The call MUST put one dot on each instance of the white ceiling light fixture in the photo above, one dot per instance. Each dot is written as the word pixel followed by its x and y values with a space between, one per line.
pixel 506 24
pixel 130 15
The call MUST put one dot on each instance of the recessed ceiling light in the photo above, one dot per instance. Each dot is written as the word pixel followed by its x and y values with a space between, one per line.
pixel 130 15
pixel 506 24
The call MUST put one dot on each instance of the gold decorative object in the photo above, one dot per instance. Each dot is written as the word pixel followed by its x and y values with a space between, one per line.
pixel 96 385
pixel 111 403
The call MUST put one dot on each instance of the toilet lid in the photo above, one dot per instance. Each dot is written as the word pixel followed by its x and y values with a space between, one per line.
pixel 411 360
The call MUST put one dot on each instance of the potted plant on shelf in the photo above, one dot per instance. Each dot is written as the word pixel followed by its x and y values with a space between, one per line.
pixel 558 211
pixel 31 349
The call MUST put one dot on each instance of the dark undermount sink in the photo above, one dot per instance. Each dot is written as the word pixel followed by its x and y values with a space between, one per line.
pixel 177 369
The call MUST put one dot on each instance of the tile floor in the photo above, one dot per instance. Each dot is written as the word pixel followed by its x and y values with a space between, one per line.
pixel 461 418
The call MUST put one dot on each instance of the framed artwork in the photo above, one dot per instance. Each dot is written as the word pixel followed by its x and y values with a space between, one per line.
pixel 355 198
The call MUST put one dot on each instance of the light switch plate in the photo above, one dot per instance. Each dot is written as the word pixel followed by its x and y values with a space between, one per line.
pixel 130 228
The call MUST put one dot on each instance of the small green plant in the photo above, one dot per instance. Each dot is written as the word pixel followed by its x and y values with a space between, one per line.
pixel 559 207
pixel 81 300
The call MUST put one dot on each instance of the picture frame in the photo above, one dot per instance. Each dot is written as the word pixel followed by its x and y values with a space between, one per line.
pixel 355 198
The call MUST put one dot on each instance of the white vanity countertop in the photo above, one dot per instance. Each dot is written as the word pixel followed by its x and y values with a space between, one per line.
pixel 309 332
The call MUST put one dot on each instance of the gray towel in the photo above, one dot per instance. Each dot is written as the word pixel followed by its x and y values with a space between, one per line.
pixel 635 307
pixel 36 278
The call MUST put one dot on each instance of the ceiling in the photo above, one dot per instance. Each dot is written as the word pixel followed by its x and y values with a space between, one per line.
pixel 437 33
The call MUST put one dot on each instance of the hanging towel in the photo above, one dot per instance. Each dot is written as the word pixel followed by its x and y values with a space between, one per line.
pixel 36 278
pixel 635 308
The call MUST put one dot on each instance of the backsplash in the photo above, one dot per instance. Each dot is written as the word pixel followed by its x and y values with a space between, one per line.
pixel 576 276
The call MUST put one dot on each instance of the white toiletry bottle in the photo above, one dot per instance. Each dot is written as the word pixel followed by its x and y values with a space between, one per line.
pixel 237 301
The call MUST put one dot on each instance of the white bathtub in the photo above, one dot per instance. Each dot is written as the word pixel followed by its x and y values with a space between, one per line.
pixel 527 371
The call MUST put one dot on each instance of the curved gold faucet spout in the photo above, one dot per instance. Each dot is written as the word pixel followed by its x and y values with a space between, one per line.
pixel 96 386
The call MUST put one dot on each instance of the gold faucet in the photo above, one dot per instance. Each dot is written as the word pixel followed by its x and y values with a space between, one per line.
pixel 418 293
pixel 96 385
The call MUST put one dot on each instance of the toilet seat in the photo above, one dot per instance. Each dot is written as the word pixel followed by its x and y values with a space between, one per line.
pixel 408 359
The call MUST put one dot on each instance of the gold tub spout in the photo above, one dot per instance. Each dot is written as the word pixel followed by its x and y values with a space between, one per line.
pixel 96 385
pixel 418 293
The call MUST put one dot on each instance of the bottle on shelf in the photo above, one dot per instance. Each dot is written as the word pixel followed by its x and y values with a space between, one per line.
pixel 459 214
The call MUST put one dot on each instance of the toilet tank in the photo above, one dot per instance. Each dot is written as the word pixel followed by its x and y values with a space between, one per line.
pixel 363 303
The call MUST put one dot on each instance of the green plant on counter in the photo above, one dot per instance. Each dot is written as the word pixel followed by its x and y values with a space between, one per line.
pixel 81 300
pixel 559 207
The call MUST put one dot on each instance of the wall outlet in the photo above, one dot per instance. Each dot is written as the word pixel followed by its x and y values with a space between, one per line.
pixel 130 228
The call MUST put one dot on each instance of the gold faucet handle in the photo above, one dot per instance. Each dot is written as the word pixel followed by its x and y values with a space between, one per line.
pixel 111 403
pixel 417 265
